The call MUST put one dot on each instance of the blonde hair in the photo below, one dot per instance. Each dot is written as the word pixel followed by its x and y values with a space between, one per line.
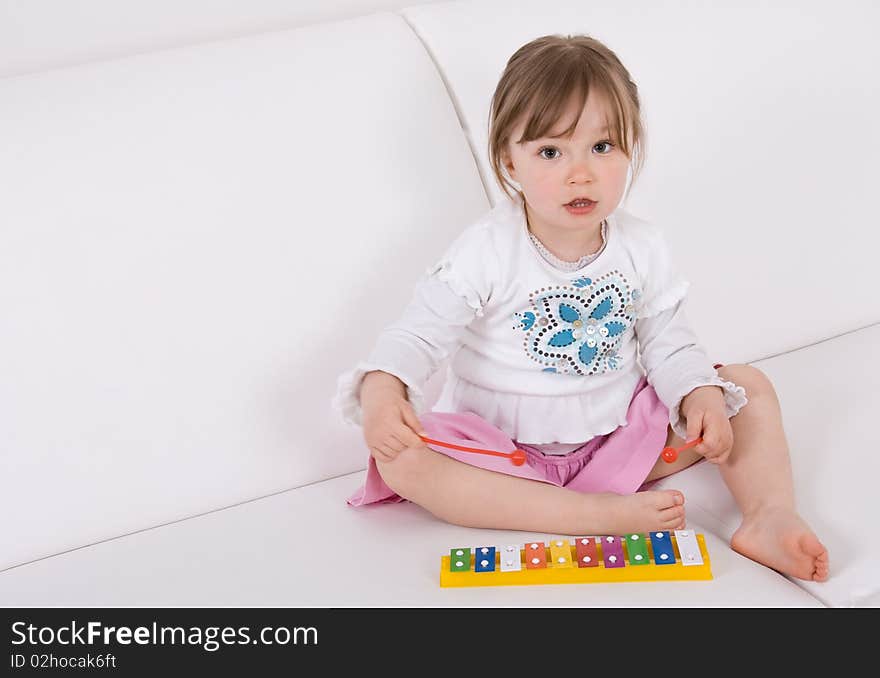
pixel 543 77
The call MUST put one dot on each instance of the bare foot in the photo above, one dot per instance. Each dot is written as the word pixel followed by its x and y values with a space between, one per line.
pixel 779 538
pixel 640 512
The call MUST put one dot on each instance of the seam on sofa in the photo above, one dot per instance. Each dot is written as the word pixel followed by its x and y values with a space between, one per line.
pixel 81 61
pixel 450 92
pixel 172 522
pixel 175 43
pixel 815 343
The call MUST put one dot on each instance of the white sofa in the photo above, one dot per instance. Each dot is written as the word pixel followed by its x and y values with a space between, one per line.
pixel 197 239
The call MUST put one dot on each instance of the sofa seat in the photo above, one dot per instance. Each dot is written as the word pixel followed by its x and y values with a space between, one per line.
pixel 307 547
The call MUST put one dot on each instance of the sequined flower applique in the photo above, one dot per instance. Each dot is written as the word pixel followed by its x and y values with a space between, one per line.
pixel 578 329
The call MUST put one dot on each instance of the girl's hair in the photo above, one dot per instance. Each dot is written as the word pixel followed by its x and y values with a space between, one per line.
pixel 543 77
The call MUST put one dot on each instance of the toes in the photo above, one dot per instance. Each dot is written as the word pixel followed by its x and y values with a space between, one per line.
pixel 811 545
pixel 675 523
pixel 668 498
pixel 673 516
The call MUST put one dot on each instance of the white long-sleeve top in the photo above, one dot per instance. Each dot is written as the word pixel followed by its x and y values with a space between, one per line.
pixel 544 354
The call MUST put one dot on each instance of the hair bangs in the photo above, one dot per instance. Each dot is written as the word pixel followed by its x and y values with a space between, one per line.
pixel 552 102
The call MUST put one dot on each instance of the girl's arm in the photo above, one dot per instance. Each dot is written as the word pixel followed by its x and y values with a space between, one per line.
pixel 446 300
pixel 389 422
pixel 378 385
pixel 676 364
pixel 408 352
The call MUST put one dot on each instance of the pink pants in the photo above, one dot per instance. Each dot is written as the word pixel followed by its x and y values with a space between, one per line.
pixel 618 461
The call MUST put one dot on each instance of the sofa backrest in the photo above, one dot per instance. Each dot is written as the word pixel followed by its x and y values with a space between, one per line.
pixel 39 35
pixel 194 243
pixel 762 147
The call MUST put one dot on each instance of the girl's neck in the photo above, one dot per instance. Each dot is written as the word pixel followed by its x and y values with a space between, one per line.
pixel 567 245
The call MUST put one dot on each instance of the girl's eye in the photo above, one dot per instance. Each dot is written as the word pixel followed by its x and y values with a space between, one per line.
pixel 556 150
pixel 547 148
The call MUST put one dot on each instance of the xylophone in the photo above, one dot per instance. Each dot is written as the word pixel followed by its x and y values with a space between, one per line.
pixel 655 556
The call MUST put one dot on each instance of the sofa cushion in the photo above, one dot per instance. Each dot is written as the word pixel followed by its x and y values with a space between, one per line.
pixel 195 243
pixel 307 548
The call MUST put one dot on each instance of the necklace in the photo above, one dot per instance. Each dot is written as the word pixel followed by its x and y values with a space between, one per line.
pixel 568 265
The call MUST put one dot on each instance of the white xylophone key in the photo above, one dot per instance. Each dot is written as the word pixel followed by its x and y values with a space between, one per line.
pixel 510 559
pixel 688 547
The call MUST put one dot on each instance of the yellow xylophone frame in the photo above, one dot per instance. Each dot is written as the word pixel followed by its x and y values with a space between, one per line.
pixel 572 574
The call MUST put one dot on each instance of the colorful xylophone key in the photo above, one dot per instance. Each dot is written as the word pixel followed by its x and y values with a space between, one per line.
pixel 655 556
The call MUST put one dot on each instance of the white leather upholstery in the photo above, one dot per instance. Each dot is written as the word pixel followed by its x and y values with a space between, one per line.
pixel 306 548
pixel 195 242
pixel 39 35
pixel 760 155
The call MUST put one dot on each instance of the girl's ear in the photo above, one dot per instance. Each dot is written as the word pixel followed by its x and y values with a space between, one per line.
pixel 508 165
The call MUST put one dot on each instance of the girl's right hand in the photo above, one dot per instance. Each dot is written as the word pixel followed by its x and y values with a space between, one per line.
pixel 390 426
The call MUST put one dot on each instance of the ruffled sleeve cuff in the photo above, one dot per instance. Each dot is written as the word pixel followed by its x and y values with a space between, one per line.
pixel 444 272
pixel 734 400
pixel 347 400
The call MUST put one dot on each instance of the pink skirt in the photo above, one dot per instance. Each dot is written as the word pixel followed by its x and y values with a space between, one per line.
pixel 618 461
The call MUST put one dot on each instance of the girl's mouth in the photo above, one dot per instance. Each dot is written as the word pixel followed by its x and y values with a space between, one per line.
pixel 580 206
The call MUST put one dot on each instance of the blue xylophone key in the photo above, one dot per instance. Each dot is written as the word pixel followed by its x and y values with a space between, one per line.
pixel 662 546
pixel 484 559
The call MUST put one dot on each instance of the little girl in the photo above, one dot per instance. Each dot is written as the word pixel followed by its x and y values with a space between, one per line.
pixel 543 304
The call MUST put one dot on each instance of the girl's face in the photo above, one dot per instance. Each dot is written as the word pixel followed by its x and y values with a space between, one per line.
pixel 552 172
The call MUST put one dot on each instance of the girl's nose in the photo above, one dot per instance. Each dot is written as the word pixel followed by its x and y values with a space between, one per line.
pixel 581 178
pixel 581 171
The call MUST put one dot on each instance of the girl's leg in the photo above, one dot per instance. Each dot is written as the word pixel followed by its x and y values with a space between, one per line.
pixel 758 474
pixel 475 497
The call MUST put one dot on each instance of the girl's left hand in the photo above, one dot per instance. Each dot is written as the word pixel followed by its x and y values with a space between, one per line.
pixel 707 418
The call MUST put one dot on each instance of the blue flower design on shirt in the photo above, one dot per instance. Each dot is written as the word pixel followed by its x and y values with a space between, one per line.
pixel 578 329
